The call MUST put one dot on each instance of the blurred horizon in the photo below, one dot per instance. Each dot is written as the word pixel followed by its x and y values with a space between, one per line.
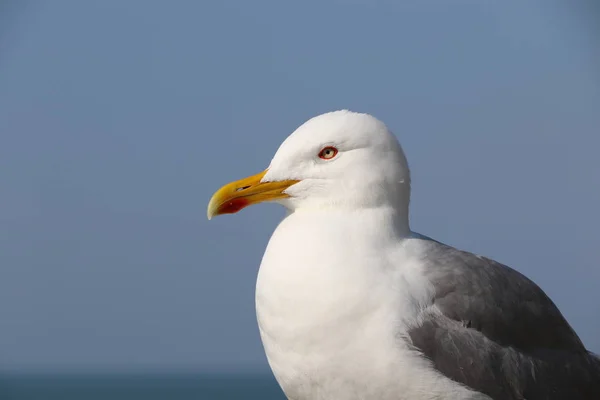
pixel 119 119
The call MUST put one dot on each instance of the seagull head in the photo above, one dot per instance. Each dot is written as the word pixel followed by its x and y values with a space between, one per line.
pixel 336 160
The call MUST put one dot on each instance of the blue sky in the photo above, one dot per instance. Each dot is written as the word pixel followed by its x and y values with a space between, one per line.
pixel 119 119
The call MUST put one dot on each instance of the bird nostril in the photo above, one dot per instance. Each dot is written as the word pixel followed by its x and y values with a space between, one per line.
pixel 241 188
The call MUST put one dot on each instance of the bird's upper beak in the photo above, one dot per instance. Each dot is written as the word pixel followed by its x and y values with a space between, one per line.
pixel 234 196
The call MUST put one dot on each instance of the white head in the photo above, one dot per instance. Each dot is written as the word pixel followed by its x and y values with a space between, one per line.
pixel 341 159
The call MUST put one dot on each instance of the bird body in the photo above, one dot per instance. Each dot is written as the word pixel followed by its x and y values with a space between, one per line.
pixel 352 304
pixel 332 325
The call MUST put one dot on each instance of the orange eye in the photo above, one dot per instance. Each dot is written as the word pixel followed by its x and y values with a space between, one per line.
pixel 328 153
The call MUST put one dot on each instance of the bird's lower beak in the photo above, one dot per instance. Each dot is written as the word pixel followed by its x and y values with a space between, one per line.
pixel 237 195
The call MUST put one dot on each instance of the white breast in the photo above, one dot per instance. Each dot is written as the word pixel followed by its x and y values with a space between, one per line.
pixel 334 296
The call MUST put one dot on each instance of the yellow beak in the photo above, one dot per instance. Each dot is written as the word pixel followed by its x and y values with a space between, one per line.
pixel 237 195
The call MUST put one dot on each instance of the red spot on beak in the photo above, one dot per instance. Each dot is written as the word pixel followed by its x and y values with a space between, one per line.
pixel 233 206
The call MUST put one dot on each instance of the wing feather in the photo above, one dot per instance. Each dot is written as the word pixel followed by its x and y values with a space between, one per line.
pixel 496 331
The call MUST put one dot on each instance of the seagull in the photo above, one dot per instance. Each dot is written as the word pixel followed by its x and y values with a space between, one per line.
pixel 352 304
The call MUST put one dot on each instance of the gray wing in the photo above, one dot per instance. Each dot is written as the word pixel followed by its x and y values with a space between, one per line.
pixel 496 331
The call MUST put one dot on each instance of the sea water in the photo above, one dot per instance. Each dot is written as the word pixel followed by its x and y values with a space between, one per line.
pixel 138 387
